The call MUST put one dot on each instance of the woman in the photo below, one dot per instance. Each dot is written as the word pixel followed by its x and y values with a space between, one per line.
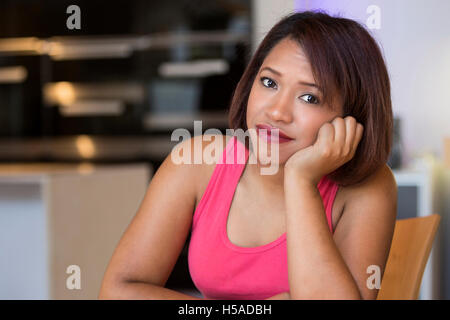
pixel 313 229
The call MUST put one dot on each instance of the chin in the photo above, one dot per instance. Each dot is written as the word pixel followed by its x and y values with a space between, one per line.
pixel 282 158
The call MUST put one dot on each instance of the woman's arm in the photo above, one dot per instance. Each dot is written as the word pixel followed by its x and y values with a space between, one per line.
pixel 151 245
pixel 323 267
pixel 280 296
pixel 315 268
pixel 141 291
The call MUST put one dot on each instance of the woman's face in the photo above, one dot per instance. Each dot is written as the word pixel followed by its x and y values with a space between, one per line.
pixel 284 95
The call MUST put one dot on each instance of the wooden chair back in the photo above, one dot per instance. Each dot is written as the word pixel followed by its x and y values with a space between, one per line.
pixel 410 249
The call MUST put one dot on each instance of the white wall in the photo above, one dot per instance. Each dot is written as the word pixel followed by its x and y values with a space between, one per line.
pixel 415 39
pixel 265 13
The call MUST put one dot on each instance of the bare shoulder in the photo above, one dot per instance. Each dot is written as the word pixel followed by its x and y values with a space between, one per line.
pixel 381 182
pixel 375 195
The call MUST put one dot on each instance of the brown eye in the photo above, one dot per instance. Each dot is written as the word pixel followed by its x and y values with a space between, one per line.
pixel 267 82
pixel 309 98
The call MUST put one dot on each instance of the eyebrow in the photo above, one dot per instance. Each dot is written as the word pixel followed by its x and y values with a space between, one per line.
pixel 310 84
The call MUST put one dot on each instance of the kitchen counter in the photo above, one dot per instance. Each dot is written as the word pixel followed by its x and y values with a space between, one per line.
pixel 86 148
pixel 53 216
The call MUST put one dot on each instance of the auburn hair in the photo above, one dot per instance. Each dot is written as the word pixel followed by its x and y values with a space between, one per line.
pixel 347 64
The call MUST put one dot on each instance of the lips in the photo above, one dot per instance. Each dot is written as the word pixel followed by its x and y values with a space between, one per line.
pixel 281 134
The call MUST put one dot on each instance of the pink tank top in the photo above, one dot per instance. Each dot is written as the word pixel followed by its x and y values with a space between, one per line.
pixel 223 270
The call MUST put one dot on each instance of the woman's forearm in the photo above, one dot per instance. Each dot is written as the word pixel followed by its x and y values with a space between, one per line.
pixel 145 291
pixel 315 267
pixel 142 291
pixel 280 296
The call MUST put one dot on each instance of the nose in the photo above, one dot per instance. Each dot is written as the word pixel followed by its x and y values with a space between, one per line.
pixel 281 109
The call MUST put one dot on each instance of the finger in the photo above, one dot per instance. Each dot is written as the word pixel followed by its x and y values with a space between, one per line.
pixel 358 136
pixel 350 124
pixel 326 133
pixel 340 131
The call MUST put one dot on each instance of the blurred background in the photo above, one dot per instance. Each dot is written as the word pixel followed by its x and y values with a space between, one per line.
pixel 88 106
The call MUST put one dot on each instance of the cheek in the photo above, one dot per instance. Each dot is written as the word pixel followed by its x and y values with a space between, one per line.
pixel 309 123
pixel 253 98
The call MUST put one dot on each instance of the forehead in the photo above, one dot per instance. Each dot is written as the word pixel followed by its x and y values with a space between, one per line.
pixel 287 56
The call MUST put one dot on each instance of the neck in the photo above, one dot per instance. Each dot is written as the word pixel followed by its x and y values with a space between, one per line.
pixel 267 182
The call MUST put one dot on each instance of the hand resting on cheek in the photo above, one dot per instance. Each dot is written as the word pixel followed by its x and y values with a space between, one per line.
pixel 335 145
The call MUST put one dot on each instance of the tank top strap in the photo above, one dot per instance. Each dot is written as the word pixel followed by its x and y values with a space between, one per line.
pixel 328 189
pixel 236 154
pixel 224 178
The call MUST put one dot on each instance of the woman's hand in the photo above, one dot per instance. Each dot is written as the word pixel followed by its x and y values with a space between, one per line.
pixel 281 296
pixel 336 144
